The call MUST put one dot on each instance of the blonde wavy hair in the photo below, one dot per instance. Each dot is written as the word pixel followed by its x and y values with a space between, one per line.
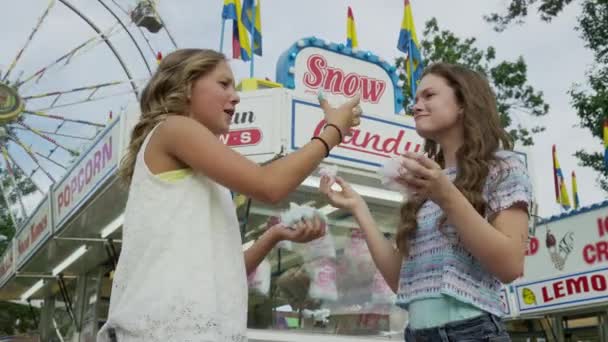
pixel 484 136
pixel 167 93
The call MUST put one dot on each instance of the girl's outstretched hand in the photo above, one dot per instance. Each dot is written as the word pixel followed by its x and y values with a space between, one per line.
pixel 304 231
pixel 347 198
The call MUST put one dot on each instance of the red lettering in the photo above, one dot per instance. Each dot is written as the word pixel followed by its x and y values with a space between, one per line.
pixel 594 253
pixel 333 80
pixel 107 151
pixel 598 282
pixel 65 197
pixel 546 297
pixel 558 289
pixel 23 245
pixel 351 84
pixel 97 162
pixel 88 171
pixel 587 254
pixel 314 76
pixel 408 145
pixel 391 145
pixel 372 89
pixel 577 285
pixel 602 250
pixel 242 137
pixel 602 225
pixel 74 185
pixel 81 180
pixel 60 202
pixel 367 142
pixel 574 286
pixel 38 228
pixel 533 246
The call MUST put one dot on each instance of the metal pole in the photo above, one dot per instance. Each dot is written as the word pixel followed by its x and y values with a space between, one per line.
pixel 253 18
pixel 222 36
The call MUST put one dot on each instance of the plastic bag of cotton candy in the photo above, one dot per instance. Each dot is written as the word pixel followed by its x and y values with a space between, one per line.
pixel 321 247
pixel 318 255
pixel 259 279
pixel 389 173
pixel 322 272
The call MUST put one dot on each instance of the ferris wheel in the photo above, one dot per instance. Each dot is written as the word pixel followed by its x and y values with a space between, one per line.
pixel 67 69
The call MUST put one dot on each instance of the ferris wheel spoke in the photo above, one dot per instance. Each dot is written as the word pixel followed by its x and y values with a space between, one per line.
pixel 122 9
pixel 59 134
pixel 51 160
pixel 32 155
pixel 94 87
pixel 59 117
pixel 147 41
pixel 129 92
pixel 29 39
pixel 47 138
pixel 91 42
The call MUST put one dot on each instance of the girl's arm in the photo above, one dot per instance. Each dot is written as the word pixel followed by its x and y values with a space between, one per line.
pixel 188 142
pixel 386 257
pixel 500 244
pixel 302 232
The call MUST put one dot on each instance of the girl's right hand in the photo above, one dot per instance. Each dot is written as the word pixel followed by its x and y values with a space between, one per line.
pixel 346 116
pixel 347 198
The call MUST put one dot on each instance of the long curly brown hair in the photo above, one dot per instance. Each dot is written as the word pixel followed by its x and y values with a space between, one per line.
pixel 166 94
pixel 484 136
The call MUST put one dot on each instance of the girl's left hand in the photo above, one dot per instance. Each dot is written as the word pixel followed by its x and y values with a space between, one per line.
pixel 425 177
pixel 302 232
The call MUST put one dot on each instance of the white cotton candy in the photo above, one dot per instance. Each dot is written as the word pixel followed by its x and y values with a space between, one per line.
pixel 390 171
pixel 329 171
pixel 296 213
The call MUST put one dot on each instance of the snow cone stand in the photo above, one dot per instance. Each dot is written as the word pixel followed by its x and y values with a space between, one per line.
pixel 66 251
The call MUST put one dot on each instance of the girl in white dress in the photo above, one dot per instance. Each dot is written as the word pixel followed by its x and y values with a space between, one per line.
pixel 181 275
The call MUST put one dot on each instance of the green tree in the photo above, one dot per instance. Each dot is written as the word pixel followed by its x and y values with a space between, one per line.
pixel 14 318
pixel 590 100
pixel 509 79
pixel 17 319
pixel 518 10
pixel 24 187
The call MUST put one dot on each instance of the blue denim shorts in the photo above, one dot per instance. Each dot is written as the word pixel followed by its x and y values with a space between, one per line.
pixel 486 327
